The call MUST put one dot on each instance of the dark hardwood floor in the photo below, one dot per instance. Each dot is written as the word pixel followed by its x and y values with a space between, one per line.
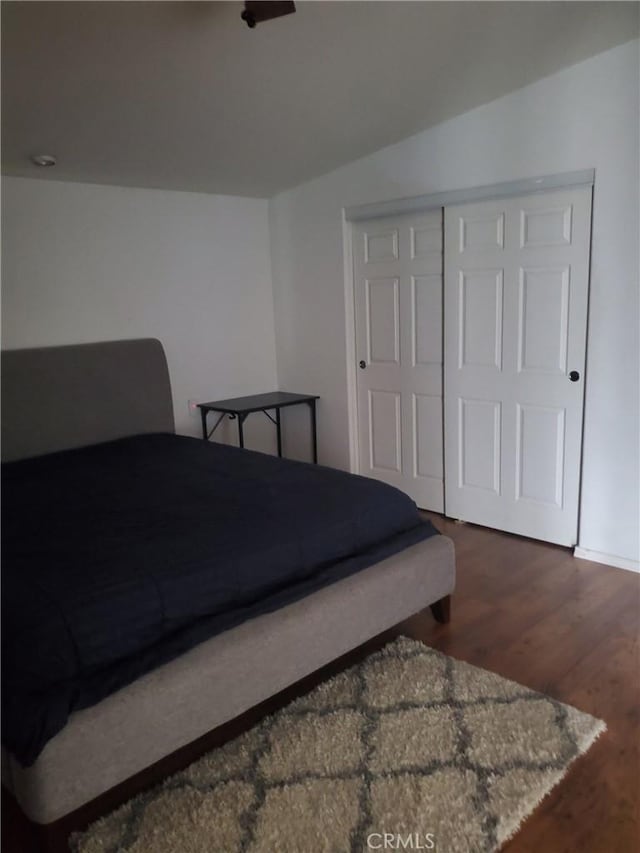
pixel 531 612
pixel 570 628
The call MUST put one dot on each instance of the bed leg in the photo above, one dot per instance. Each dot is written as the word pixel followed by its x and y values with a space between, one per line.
pixel 442 609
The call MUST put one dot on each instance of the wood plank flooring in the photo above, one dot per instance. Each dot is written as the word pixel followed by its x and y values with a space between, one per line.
pixel 532 612
pixel 570 628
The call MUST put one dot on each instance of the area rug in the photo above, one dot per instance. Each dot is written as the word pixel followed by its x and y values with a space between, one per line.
pixel 411 749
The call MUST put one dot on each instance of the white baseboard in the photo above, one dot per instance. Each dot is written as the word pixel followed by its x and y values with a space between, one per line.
pixel 607 559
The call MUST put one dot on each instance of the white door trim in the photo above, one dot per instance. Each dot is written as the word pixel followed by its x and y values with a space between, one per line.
pixel 395 207
pixel 355 213
pixel 350 339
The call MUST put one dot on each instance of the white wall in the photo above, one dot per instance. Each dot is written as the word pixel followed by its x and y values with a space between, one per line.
pixel 86 263
pixel 583 117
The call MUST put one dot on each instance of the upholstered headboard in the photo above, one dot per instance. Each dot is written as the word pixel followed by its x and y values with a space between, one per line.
pixel 56 398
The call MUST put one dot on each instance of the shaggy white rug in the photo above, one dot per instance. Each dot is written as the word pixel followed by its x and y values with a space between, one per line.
pixel 434 752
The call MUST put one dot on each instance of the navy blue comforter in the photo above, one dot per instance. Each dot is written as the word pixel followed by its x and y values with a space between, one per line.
pixel 120 556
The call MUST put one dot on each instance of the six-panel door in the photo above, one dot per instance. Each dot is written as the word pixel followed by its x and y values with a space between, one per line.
pixel 516 290
pixel 398 308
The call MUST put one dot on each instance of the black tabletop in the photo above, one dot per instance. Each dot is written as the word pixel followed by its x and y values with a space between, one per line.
pixel 258 402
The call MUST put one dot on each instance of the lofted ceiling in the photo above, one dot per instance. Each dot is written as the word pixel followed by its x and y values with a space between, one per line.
pixel 183 95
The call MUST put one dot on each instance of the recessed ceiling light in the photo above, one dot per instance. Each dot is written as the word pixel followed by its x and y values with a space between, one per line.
pixel 44 160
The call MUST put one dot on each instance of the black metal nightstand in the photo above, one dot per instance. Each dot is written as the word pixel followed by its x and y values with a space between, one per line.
pixel 241 407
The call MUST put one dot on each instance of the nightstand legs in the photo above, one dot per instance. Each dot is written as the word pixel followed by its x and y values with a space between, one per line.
pixel 314 435
pixel 278 432
pixel 240 433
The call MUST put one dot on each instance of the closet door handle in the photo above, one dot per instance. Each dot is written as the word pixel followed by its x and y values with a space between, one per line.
pixel 574 376
pixel 362 364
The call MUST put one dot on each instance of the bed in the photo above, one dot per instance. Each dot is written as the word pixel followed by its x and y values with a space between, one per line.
pixel 157 586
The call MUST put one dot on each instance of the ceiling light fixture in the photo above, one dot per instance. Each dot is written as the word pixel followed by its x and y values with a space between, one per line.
pixel 44 160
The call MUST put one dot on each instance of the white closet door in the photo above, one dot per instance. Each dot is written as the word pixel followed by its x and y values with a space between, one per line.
pixel 398 308
pixel 516 288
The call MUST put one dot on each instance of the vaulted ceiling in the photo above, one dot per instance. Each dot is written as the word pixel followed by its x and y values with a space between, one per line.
pixel 184 96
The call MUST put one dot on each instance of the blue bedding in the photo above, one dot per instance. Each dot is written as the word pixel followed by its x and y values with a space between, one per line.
pixel 120 556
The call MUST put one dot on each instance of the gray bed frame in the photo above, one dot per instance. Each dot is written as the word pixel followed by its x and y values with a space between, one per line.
pixel 58 398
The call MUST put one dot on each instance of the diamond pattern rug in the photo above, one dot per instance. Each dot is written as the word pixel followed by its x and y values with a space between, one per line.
pixel 410 742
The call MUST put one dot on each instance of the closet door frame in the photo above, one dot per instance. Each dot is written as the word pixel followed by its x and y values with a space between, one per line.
pixel 423 203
